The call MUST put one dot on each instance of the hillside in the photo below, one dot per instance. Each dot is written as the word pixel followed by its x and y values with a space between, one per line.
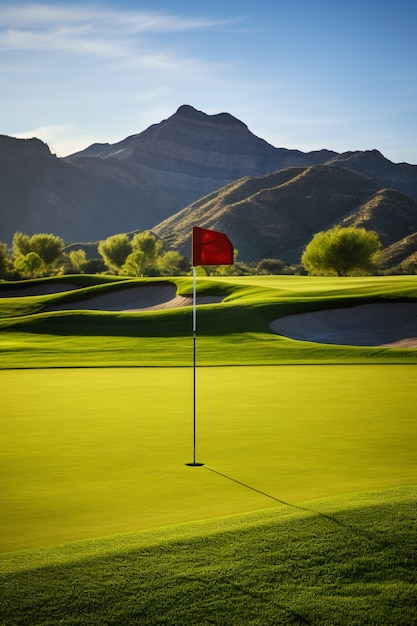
pixel 403 252
pixel 148 177
pixel 276 215
pixel 374 165
pixel 42 193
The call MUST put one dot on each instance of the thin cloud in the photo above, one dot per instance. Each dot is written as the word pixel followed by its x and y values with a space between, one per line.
pixel 106 34
pixel 119 41
pixel 95 19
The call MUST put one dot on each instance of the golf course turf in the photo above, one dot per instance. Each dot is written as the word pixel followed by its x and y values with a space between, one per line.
pixel 302 511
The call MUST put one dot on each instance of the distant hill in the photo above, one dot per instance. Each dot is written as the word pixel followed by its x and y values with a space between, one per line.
pixel 42 193
pixel 178 164
pixel 374 165
pixel 276 215
pixel 402 252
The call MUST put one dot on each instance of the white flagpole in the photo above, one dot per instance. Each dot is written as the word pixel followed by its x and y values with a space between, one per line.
pixel 194 463
pixel 194 360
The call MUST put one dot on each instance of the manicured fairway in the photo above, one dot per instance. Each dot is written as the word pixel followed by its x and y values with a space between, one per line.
pixel 92 452
pixel 66 329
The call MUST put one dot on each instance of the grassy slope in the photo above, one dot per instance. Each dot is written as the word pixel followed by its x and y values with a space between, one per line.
pixel 234 332
pixel 340 561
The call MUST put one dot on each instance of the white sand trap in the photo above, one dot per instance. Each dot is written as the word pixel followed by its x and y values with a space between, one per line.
pixel 136 298
pixel 388 324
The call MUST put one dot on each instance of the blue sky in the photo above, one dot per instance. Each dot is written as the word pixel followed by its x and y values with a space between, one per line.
pixel 300 74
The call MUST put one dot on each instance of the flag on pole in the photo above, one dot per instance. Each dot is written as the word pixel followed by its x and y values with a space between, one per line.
pixel 211 247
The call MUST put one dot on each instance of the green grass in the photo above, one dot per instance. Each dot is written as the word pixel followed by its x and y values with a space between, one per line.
pixel 303 511
pixel 92 452
pixel 342 561
pixel 235 332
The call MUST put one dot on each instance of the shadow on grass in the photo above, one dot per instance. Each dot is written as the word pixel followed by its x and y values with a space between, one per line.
pixel 331 518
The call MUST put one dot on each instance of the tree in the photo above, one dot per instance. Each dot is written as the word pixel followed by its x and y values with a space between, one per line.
pixel 4 260
pixel 135 265
pixel 30 265
pixel 144 257
pixel 151 247
pixel 47 246
pixel 270 266
pixel 115 250
pixel 172 263
pixel 78 260
pixel 94 266
pixel 21 245
pixel 343 252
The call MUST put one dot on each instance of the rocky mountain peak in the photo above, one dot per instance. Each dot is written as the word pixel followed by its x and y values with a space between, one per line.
pixel 190 113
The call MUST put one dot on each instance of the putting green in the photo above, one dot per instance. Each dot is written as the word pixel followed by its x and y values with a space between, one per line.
pixel 92 452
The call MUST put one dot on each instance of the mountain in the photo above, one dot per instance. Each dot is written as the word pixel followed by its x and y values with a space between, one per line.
pixel 402 253
pixel 191 143
pixel 42 193
pixel 135 183
pixel 373 165
pixel 186 161
pixel 276 215
pixel 189 155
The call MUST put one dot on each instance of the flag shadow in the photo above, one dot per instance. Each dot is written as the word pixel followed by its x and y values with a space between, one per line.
pixel 330 518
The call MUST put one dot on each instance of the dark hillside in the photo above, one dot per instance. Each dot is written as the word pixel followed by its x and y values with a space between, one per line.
pixel 372 164
pixel 402 252
pixel 392 214
pixel 277 215
pixel 41 193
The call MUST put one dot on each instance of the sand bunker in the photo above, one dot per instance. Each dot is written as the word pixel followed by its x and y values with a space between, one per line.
pixel 389 324
pixel 137 298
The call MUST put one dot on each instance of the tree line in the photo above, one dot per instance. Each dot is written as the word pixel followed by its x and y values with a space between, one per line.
pixel 143 254
pixel 339 251
pixel 43 254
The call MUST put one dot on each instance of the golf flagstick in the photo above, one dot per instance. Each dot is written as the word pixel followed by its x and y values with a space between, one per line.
pixel 209 247
pixel 195 368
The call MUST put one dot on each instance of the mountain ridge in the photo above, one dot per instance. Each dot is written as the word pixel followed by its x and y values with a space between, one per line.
pixel 144 181
pixel 277 215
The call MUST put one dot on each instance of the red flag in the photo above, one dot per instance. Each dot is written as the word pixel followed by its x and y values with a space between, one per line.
pixel 210 247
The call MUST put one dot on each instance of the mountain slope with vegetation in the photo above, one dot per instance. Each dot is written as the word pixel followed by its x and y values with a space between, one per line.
pixel 276 215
